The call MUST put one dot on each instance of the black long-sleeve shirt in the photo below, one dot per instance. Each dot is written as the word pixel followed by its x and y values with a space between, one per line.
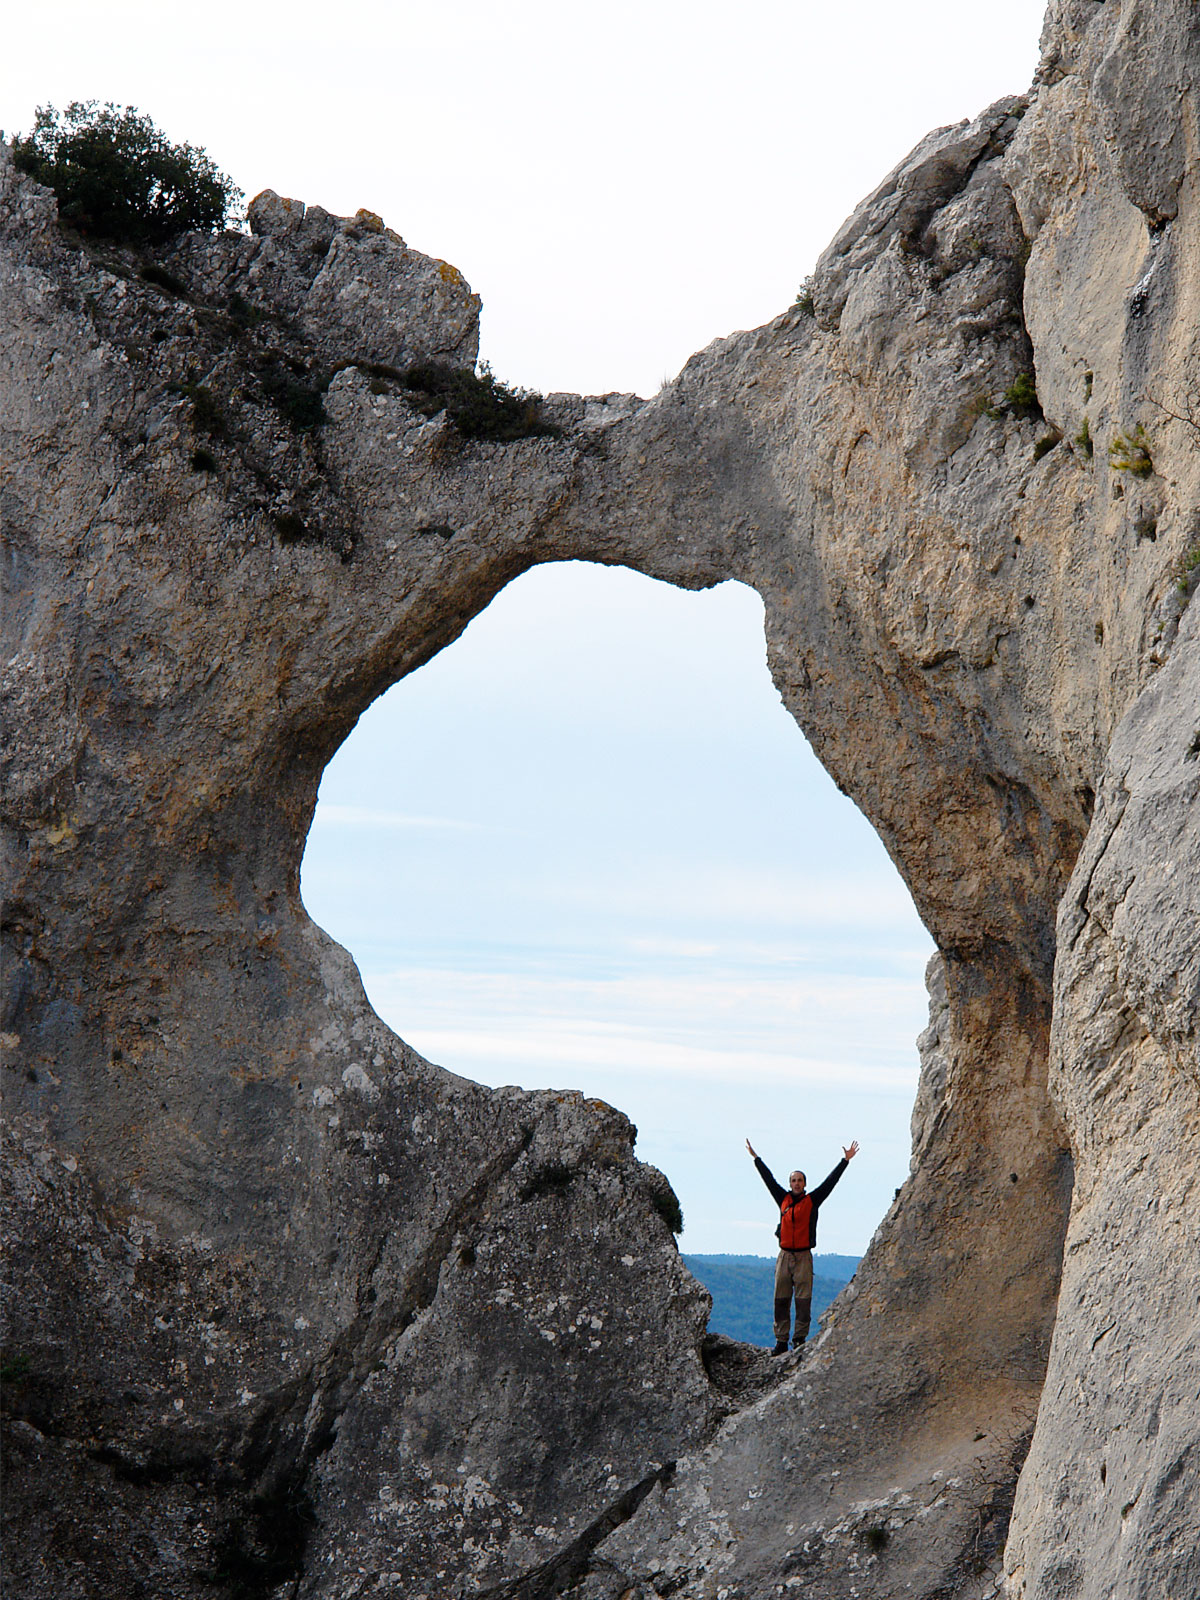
pixel 821 1193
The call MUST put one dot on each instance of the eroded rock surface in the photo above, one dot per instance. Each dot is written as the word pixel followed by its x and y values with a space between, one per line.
pixel 294 1311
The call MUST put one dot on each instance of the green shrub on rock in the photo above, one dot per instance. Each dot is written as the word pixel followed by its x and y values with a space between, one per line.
pixel 477 404
pixel 666 1203
pixel 1130 452
pixel 118 177
pixel 1021 396
pixel 1019 400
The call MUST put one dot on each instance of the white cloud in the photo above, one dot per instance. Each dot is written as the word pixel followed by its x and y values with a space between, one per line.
pixel 618 1050
pixel 743 894
pixel 830 1035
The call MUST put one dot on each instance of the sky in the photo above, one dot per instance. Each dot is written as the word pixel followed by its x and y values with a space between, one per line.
pixel 586 846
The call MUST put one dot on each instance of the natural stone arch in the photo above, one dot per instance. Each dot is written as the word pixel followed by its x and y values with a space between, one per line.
pixel 277 1094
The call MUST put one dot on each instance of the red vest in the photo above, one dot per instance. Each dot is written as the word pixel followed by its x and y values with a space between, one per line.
pixel 795 1217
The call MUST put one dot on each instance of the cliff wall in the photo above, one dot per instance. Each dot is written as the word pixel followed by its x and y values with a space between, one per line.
pixel 294 1311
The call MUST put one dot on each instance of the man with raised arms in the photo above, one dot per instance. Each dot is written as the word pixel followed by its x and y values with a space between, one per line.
pixel 797 1234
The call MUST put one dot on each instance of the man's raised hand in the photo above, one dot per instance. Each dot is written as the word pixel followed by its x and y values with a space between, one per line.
pixel 848 1150
pixel 752 1150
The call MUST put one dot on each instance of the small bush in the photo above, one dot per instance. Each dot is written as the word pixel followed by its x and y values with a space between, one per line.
pixel 1129 452
pixel 379 371
pixel 551 1178
pixel 1021 396
pixel 1187 571
pixel 666 1203
pixel 207 416
pixel 477 404
pixel 1083 440
pixel 264 1549
pixel 162 279
pixel 294 393
pixel 1018 400
pixel 876 1538
pixel 203 461
pixel 804 298
pixel 292 529
pixel 243 314
pixel 300 404
pixel 14 1368
pixel 118 177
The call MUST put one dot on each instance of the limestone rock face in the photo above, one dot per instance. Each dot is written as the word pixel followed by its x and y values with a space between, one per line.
pixel 1109 1494
pixel 294 1311
pixel 260 1254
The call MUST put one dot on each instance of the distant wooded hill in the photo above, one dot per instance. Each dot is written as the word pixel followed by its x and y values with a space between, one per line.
pixel 743 1291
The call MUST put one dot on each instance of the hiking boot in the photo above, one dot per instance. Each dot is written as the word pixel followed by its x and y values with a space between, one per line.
pixel 780 1349
pixel 797 1344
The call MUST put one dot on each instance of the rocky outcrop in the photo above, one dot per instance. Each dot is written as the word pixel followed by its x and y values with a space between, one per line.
pixel 292 1307
pixel 259 1252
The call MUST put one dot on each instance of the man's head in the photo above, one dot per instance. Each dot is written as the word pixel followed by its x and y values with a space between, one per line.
pixel 797 1183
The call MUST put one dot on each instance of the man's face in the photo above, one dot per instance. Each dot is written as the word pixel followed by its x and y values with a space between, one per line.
pixel 796 1182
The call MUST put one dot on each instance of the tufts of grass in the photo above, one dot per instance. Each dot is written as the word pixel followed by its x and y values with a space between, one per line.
pixel 1018 400
pixel 1129 452
pixel 1187 571
pixel 243 314
pixel 14 1368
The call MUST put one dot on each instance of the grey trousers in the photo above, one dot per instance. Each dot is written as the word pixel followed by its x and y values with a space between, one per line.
pixel 793 1276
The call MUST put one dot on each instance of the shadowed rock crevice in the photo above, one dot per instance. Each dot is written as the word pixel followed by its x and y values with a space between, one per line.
pixel 563 1571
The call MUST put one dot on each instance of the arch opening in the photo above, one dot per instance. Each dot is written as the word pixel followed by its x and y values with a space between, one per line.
pixel 587 847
